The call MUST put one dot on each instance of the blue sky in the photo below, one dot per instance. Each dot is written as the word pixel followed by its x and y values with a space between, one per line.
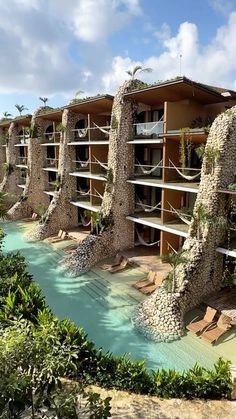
pixel 55 47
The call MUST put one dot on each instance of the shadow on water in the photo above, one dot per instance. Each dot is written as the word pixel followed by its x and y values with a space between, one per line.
pixel 101 308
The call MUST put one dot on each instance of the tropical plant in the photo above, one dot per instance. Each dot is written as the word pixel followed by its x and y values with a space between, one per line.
pixel 21 108
pixel 174 259
pixel 138 69
pixel 79 93
pixel 211 155
pixel 60 127
pixel 232 186
pixel 200 151
pixel 44 100
pixel 7 115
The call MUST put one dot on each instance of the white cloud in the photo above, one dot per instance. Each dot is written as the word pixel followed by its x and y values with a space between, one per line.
pixel 222 6
pixel 213 63
pixel 163 33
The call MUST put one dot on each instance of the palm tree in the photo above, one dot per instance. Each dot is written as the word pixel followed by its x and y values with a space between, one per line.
pixel 7 114
pixel 21 108
pixel 78 93
pixel 138 69
pixel 44 100
pixel 175 259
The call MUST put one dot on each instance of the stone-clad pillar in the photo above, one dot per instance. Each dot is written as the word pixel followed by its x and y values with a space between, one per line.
pixel 11 176
pixel 33 195
pixel 161 316
pixel 116 232
pixel 61 214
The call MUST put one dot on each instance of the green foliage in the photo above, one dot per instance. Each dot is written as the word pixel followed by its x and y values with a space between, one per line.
pixel 60 127
pixel 37 350
pixel 44 100
pixel 185 148
pixel 8 168
pixel 211 155
pixel 138 69
pixel 174 259
pixel 21 108
pixel 33 131
pixel 232 186
pixel 3 211
pixel 200 151
pixel 41 209
pixel 99 223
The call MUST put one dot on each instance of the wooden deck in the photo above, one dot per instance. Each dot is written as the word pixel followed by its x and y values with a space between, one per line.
pixel 225 302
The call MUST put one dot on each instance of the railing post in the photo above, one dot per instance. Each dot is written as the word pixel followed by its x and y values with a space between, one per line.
pixel 89 126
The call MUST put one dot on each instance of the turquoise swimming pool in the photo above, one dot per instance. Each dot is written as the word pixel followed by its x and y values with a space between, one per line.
pixel 102 308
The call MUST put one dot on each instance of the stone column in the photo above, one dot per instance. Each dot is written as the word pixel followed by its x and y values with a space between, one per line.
pixel 33 195
pixel 116 233
pixel 11 175
pixel 60 213
pixel 161 316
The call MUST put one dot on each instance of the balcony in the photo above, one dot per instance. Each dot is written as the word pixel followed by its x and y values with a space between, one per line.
pixel 144 170
pixel 86 169
pixel 91 135
pixel 23 140
pixel 154 221
pixel 148 132
pixel 22 161
pixel 51 164
pixel 51 138
pixel 84 200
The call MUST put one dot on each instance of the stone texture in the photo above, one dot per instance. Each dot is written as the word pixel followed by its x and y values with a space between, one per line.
pixel 60 213
pixel 160 316
pixel 118 199
pixel 10 179
pixel 33 195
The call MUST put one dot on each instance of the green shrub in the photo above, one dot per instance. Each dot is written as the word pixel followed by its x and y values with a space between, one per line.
pixel 52 348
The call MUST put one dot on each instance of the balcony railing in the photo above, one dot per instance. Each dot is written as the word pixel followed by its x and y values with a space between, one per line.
pixel 51 163
pixel 148 129
pixel 85 196
pixel 79 166
pixel 148 169
pixel 22 160
pixel 23 139
pixel 51 137
pixel 95 133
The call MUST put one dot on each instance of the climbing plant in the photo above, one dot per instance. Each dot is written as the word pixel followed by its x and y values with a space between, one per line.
pixel 185 148
pixel 174 259
pixel 9 168
pixel 211 155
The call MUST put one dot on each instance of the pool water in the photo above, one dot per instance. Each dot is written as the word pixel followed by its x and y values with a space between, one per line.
pixel 102 308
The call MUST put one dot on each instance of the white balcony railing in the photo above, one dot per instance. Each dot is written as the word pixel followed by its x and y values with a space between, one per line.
pixel 149 129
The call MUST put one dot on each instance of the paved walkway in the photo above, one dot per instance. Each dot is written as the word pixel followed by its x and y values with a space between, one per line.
pixel 132 406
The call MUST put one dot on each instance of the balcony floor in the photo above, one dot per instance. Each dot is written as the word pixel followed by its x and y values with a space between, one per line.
pixel 159 183
pixel 86 205
pixel 174 227
pixel 89 175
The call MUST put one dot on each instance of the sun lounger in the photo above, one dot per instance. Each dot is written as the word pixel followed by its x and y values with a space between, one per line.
pixel 149 289
pixel 148 281
pixel 200 325
pixel 64 236
pixel 215 330
pixel 117 261
pixel 60 232
pixel 123 265
pixel 34 216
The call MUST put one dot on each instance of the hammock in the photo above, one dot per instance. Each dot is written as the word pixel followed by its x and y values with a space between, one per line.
pixel 147 208
pixel 143 242
pixel 101 164
pixel 179 214
pixel 82 132
pixel 98 194
pixel 146 131
pixel 187 177
pixel 102 129
pixel 83 193
pixel 83 163
pixel 172 248
pixel 84 222
pixel 148 172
